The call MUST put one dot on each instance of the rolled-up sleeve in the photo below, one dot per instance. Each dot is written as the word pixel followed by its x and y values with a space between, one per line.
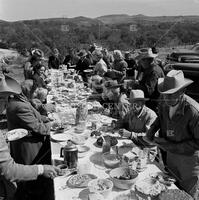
pixel 13 171
pixel 154 127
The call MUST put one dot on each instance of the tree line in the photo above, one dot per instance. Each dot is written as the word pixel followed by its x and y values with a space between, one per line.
pixel 49 34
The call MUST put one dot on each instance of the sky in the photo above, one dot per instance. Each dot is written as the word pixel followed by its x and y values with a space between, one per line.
pixel 13 10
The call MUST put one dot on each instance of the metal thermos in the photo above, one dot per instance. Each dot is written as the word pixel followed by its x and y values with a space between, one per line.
pixel 70 154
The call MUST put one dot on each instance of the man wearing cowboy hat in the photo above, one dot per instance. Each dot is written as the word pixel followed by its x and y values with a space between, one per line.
pixel 138 119
pixel 178 125
pixel 114 100
pixel 9 170
pixel 150 74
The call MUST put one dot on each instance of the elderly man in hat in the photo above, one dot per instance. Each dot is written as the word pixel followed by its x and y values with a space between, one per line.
pixel 83 64
pixel 34 148
pixel 138 119
pixel 178 125
pixel 20 114
pixel 115 102
pixel 149 81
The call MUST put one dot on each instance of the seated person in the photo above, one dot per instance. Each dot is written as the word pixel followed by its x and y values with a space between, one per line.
pixel 114 101
pixel 39 78
pixel 97 84
pixel 139 118
pixel 100 66
pixel 39 102
pixel 119 67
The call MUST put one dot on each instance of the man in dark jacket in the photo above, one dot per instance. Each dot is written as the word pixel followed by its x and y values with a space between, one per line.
pixel 149 80
pixel 83 64
pixel 29 150
pixel 54 60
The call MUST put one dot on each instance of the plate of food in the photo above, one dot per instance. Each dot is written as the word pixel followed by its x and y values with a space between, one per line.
pixel 109 139
pixel 80 180
pixel 60 137
pixel 16 134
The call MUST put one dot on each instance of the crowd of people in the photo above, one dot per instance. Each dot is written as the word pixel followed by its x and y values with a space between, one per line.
pixel 146 103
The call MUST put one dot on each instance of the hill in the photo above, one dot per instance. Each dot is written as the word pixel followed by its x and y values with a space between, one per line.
pixel 111 31
pixel 117 19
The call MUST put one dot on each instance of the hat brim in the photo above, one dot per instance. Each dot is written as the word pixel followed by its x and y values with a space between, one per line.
pixel 161 89
pixel 11 87
pixel 138 99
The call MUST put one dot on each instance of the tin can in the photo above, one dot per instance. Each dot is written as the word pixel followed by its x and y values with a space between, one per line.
pixel 70 154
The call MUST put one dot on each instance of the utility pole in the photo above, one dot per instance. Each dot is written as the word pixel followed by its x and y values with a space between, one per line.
pixel 99 31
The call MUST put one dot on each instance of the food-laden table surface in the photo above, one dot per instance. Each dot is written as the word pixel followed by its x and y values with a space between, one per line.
pixel 92 162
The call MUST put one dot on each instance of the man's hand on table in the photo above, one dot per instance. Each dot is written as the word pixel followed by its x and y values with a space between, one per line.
pixel 51 171
pixel 124 133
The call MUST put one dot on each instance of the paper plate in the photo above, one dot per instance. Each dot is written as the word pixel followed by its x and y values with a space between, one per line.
pixel 16 134
pixel 60 137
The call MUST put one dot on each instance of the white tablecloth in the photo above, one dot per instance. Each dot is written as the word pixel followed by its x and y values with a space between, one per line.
pixel 62 192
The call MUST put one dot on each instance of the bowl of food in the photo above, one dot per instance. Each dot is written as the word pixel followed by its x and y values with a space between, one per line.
pixel 101 186
pixel 63 169
pixel 111 160
pixel 149 188
pixel 123 177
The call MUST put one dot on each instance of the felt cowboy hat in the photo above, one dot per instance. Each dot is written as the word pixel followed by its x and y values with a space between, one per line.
pixel 82 53
pixel 173 82
pixel 145 53
pixel 137 95
pixel 9 85
pixel 112 84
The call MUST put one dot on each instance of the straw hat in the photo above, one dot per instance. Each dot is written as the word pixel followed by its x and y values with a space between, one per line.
pixel 173 82
pixel 146 53
pixel 9 86
pixel 137 95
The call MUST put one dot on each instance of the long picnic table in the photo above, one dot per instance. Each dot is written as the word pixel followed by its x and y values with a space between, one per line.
pixel 92 162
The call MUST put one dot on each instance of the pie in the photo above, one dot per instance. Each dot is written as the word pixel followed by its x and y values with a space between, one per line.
pixel 79 180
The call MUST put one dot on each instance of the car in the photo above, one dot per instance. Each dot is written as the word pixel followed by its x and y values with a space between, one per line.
pixel 191 71
pixel 184 56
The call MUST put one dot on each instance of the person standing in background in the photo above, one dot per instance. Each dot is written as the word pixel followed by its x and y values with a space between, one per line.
pixel 178 126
